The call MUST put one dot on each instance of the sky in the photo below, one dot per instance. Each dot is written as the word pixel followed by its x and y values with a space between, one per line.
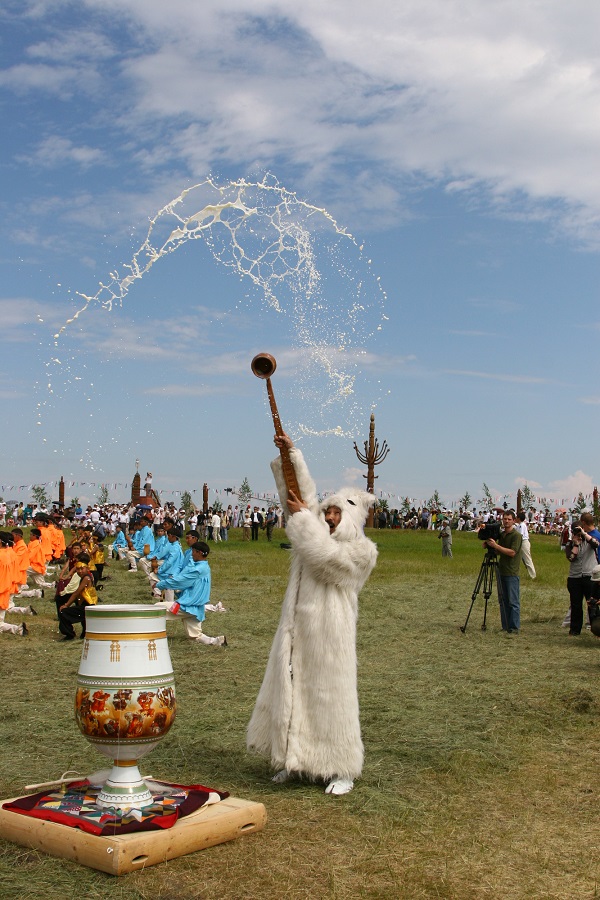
pixel 399 201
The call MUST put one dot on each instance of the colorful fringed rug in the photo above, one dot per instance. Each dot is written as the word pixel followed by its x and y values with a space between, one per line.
pixel 75 805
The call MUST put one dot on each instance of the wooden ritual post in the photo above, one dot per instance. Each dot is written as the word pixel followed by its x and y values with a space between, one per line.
pixel 135 484
pixel 373 455
pixel 61 493
pixel 205 498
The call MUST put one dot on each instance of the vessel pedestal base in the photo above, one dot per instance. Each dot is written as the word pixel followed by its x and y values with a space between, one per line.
pixel 124 788
pixel 225 821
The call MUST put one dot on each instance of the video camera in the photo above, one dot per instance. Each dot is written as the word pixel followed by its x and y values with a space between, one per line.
pixel 489 532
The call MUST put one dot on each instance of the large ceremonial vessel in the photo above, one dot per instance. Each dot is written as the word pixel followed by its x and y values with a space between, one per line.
pixel 125 700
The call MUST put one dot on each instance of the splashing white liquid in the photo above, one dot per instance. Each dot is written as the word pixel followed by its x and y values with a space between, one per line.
pixel 304 267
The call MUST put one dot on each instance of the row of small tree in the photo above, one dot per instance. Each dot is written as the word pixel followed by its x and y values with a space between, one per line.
pixel 41 497
pixel 488 502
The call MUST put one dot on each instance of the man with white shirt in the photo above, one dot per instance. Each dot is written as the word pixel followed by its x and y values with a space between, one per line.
pixel 526 545
pixel 216 526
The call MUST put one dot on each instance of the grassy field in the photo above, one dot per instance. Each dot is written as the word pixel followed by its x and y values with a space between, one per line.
pixel 481 748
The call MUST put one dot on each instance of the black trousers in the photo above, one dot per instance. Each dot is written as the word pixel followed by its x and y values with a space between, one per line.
pixel 580 589
pixel 69 616
pixel 255 526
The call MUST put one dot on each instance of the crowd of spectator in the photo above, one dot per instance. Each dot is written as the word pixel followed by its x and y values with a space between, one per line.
pixel 539 522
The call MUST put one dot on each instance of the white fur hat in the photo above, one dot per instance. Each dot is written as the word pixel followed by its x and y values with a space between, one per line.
pixel 354 506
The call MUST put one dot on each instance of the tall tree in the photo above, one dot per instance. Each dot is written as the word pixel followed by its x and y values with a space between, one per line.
pixel 465 501
pixel 244 493
pixel 487 501
pixel 527 497
pixel 187 503
pixel 579 506
pixel 435 501
pixel 40 495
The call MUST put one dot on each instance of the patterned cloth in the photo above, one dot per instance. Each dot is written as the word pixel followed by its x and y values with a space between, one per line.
pixel 75 805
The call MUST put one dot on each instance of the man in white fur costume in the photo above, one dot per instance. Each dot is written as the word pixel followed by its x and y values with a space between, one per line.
pixel 306 715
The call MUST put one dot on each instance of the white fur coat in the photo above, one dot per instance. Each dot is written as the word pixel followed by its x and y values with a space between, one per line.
pixel 306 715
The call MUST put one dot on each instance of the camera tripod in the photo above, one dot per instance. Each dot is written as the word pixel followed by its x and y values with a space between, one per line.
pixel 487 573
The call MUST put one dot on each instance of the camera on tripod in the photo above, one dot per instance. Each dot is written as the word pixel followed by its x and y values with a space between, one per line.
pixel 489 532
pixel 488 572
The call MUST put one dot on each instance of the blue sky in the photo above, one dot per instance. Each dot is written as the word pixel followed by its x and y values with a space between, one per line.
pixel 457 142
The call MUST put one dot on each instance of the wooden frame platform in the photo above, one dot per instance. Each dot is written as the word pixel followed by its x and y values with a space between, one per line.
pixel 119 855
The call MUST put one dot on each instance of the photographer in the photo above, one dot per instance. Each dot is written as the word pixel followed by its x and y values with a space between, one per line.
pixel 508 547
pixel 581 551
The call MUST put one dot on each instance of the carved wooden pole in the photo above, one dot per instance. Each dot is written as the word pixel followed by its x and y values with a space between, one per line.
pixel 136 488
pixel 373 455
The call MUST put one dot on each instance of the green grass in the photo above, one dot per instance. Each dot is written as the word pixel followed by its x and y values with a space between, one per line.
pixel 479 779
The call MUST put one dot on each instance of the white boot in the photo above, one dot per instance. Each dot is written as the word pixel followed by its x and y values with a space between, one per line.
pixel 281 777
pixel 339 786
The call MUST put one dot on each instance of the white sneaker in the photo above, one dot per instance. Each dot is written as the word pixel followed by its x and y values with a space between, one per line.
pixel 339 786
pixel 281 777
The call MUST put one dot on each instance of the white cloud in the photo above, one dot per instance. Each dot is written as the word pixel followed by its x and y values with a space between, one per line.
pixel 521 482
pixel 59 151
pixel 572 485
pixel 20 317
pixel 499 376
pixel 186 390
pixel 73 45
pixel 502 97
pixel 51 79
pixel 353 476
pixel 590 401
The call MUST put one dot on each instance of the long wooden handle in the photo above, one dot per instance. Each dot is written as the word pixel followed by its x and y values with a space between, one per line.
pixel 289 473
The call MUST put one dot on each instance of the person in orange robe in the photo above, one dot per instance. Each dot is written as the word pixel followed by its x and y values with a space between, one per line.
pixel 58 541
pixel 8 574
pixel 41 522
pixel 37 560
pixel 22 554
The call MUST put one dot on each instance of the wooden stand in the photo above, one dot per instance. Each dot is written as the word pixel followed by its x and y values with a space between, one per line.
pixel 224 821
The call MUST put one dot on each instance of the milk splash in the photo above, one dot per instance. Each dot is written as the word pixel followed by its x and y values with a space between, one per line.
pixel 303 267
